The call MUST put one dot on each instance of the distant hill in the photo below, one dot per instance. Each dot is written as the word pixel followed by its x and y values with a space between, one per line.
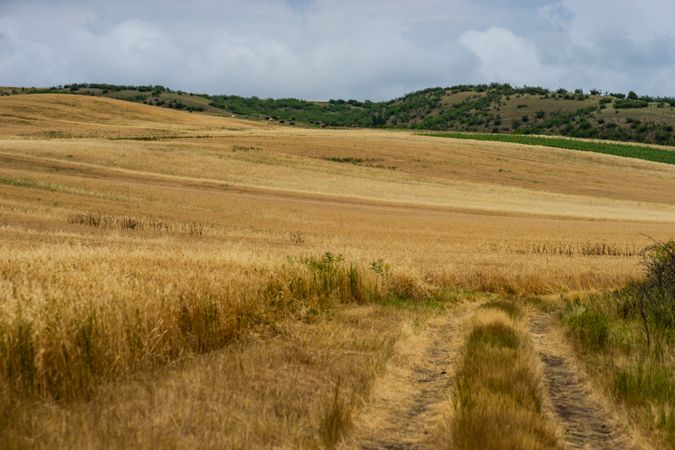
pixel 493 108
pixel 56 116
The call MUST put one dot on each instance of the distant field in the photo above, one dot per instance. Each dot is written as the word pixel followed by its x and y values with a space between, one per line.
pixel 608 148
pixel 178 280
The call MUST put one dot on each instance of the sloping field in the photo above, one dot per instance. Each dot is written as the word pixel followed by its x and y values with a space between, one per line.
pixel 54 115
pixel 133 238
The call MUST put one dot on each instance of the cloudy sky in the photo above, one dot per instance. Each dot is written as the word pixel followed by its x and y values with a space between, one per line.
pixel 320 49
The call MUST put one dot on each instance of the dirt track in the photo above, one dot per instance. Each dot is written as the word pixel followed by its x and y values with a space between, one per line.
pixel 409 400
pixel 584 418
pixel 408 403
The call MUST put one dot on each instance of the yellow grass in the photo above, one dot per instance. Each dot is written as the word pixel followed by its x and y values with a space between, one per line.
pixel 132 237
pixel 259 393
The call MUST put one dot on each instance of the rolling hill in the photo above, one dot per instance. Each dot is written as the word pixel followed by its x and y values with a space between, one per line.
pixel 494 108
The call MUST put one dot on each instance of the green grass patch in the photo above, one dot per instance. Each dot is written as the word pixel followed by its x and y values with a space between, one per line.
pixel 643 384
pixel 590 327
pixel 28 183
pixel 607 148
pixel 429 304
pixel 437 300
pixel 627 339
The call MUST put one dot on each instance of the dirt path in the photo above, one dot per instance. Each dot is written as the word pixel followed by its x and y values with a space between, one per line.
pixel 408 401
pixel 584 417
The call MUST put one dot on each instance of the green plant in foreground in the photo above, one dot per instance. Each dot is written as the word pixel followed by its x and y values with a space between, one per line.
pixel 591 327
pixel 628 338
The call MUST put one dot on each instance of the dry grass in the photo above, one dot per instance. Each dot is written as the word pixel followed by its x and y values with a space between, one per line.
pixel 95 219
pixel 122 256
pixel 499 392
pixel 265 391
pixel 50 116
pixel 74 321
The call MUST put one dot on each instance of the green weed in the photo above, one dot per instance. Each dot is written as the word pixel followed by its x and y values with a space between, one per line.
pixel 590 327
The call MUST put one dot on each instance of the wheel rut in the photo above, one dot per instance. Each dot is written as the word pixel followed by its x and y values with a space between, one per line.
pixel 585 421
pixel 409 400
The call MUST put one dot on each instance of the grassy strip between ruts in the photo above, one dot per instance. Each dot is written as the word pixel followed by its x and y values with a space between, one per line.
pixel 607 148
pixel 498 400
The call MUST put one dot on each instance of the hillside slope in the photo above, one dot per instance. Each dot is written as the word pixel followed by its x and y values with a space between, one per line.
pixel 59 115
pixel 360 165
pixel 496 108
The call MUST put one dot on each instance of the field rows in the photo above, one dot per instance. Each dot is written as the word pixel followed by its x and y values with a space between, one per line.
pixel 647 153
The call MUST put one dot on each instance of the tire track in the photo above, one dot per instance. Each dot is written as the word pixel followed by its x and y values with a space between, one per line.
pixel 407 403
pixel 586 423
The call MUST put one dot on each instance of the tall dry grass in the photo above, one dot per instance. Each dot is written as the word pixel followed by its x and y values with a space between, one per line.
pixel 271 389
pixel 73 320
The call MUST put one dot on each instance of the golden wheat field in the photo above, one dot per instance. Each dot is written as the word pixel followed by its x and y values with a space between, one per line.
pixel 170 279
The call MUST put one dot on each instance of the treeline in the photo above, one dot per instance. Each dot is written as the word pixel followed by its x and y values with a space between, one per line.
pixel 340 113
pixel 115 87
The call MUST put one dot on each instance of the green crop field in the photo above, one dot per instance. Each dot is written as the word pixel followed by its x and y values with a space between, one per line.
pixel 608 148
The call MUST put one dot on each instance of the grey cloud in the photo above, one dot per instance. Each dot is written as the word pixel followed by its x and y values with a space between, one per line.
pixel 557 15
pixel 325 49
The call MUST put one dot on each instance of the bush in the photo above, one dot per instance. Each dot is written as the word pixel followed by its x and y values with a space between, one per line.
pixel 659 287
pixel 652 300
pixel 630 103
